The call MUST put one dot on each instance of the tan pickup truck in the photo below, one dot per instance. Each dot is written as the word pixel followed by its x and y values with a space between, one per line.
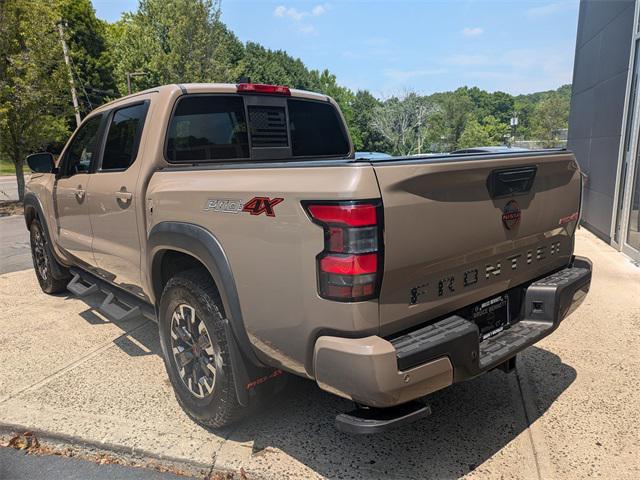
pixel 238 218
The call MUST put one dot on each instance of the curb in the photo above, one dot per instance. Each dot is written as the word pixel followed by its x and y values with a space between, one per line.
pixel 128 453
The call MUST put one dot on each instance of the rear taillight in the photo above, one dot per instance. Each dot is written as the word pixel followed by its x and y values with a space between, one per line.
pixel 350 266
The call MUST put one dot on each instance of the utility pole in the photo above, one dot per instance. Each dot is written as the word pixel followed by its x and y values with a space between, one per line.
pixel 514 125
pixel 74 96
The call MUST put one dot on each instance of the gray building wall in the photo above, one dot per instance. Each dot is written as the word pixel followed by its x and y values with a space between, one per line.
pixel 597 104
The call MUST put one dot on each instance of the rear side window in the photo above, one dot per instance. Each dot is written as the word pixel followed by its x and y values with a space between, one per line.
pixel 316 129
pixel 123 137
pixel 208 128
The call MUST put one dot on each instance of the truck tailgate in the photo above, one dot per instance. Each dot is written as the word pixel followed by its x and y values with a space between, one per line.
pixel 459 230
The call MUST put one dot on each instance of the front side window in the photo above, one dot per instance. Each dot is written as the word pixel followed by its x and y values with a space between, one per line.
pixel 123 137
pixel 208 128
pixel 83 148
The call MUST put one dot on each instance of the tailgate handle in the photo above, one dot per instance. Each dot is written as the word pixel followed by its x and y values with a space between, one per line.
pixel 506 182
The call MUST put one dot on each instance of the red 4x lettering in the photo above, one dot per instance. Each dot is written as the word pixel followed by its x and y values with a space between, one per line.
pixel 258 205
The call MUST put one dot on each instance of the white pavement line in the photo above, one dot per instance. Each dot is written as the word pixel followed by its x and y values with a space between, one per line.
pixel 524 441
pixel 225 439
pixel 58 373
pixel 540 451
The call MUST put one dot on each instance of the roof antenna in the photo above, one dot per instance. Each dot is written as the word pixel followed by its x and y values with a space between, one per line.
pixel 244 79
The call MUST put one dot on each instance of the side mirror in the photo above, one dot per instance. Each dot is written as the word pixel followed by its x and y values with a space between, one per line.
pixel 41 162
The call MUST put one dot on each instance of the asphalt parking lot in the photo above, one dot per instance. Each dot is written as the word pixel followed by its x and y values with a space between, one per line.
pixel 572 410
pixel 9 187
pixel 14 238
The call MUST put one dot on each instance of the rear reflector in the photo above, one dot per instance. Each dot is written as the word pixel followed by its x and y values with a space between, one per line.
pixel 350 266
pixel 352 293
pixel 262 88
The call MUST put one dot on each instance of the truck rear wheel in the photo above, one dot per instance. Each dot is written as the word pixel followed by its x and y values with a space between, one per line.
pixel 195 351
pixel 52 276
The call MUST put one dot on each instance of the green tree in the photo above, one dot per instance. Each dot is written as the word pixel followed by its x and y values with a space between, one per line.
pixel 550 116
pixel 174 41
pixel 86 37
pixel 455 108
pixel 405 123
pixel 497 131
pixel 276 67
pixel 525 106
pixel 481 99
pixel 365 136
pixel 501 106
pixel 474 135
pixel 33 82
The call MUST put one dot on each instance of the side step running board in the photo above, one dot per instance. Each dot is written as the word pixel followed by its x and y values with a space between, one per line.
pixel 118 305
pixel 117 311
pixel 377 420
pixel 80 287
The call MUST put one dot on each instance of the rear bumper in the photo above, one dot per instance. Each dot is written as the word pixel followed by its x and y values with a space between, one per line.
pixel 383 373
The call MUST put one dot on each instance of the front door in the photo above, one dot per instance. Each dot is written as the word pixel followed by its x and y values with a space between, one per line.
pixel 114 201
pixel 70 191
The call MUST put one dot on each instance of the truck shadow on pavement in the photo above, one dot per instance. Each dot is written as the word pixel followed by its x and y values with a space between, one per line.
pixel 471 421
pixel 134 341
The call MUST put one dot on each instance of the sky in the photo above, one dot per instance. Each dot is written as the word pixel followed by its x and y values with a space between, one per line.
pixel 389 47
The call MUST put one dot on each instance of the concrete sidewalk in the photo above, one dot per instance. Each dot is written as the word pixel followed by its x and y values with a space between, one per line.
pixel 572 410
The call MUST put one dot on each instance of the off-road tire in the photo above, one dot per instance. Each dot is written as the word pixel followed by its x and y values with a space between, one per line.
pixel 52 277
pixel 195 288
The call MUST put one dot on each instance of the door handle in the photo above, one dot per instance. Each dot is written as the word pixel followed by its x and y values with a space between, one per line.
pixel 79 193
pixel 123 197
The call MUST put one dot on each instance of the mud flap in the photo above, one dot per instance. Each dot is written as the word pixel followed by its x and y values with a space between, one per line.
pixel 247 376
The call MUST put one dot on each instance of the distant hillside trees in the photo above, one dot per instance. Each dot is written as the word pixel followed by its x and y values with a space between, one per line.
pixel 469 117
pixel 181 41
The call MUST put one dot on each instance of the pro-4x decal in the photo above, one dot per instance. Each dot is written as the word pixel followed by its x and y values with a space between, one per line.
pixel 255 206
pixel 258 205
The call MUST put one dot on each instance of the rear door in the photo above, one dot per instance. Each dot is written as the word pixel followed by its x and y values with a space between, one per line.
pixel 70 191
pixel 113 200
pixel 463 229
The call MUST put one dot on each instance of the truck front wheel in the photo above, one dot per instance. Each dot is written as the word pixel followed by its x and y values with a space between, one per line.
pixel 195 351
pixel 52 276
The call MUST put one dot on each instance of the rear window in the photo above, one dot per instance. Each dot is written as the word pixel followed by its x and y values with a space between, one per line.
pixel 316 129
pixel 214 127
pixel 208 128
